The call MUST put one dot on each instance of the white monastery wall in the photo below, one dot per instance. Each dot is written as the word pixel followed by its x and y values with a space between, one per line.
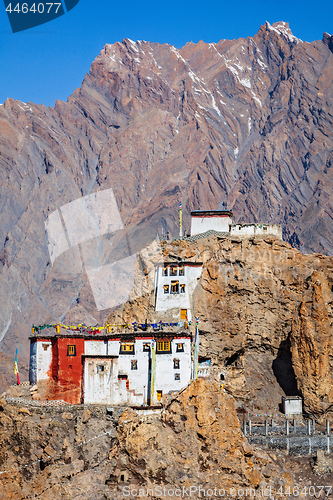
pixel 44 359
pixel 201 224
pixel 99 385
pixel 113 347
pixel 165 371
pixel 137 378
pixel 95 347
pixel 248 230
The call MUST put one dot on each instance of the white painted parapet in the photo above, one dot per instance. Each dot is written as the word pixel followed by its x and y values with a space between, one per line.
pixel 248 230
pixel 95 347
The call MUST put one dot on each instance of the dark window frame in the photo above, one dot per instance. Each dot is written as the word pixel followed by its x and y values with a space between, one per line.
pixel 180 349
pixel 162 351
pixel 68 349
pixel 173 271
pixel 121 351
pixel 134 364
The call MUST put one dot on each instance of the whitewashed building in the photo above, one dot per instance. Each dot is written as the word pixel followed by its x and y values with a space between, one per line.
pixel 222 221
pixel 174 285
pixel 205 220
pixel 116 369
pixel 292 405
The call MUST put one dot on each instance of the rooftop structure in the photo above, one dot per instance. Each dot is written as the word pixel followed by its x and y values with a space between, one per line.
pixel 221 221
pixel 204 220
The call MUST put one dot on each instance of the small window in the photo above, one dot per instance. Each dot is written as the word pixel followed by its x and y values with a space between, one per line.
pixel 163 346
pixel 182 288
pixel 174 286
pixel 173 271
pixel 166 288
pixel 71 350
pixel 45 346
pixel 122 377
pixel 126 348
pixel 134 364
pixel 181 271
pixel 265 228
pixel 159 395
pixel 165 271
pixel 180 347
pixel 221 376
pixel 177 376
pixel 146 347
pixel 176 364
pixel 100 368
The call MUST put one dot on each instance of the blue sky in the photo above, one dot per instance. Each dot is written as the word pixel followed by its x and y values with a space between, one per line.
pixel 48 62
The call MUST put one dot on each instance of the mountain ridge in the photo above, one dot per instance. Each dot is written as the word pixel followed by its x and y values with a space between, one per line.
pixel 245 123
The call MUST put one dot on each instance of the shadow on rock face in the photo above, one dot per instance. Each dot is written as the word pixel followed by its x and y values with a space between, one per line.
pixel 283 370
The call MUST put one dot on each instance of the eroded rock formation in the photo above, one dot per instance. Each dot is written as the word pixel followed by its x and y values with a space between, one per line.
pixel 195 442
pixel 311 347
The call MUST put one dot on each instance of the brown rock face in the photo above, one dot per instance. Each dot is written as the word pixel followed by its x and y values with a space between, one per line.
pixel 195 443
pixel 247 123
pixel 198 440
pixel 45 453
pixel 311 347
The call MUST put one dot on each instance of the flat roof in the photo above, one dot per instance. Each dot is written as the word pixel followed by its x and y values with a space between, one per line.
pixel 179 263
pixel 211 212
pixel 128 337
pixel 99 356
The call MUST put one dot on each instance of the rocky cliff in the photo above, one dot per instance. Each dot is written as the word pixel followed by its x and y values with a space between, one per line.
pixel 245 123
pixel 195 442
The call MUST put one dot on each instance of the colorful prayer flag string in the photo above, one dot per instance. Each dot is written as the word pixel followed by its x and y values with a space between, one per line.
pixel 98 329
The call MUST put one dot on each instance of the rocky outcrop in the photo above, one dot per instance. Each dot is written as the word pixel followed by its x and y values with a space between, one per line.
pixel 311 347
pixel 246 123
pixel 196 442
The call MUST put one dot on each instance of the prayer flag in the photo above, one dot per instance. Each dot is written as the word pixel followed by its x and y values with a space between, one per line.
pixel 16 371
